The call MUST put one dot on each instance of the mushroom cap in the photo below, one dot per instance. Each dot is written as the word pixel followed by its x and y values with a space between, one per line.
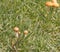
pixel 25 31
pixel 49 3
pixel 16 29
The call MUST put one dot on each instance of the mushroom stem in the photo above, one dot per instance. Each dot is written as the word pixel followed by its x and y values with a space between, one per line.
pixel 17 35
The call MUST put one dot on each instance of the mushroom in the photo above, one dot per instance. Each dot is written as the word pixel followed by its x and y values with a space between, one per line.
pixel 16 29
pixel 25 32
pixel 52 3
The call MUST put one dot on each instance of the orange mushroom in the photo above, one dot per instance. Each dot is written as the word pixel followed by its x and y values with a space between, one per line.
pixel 52 3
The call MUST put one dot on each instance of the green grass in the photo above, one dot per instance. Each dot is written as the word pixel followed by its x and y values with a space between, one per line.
pixel 42 22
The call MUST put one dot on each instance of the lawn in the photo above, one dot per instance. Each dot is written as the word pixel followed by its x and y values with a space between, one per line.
pixel 41 22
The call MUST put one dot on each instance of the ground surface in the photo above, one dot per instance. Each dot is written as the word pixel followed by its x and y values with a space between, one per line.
pixel 42 22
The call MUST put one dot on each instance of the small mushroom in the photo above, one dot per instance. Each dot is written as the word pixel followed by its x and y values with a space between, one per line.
pixel 25 32
pixel 16 29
